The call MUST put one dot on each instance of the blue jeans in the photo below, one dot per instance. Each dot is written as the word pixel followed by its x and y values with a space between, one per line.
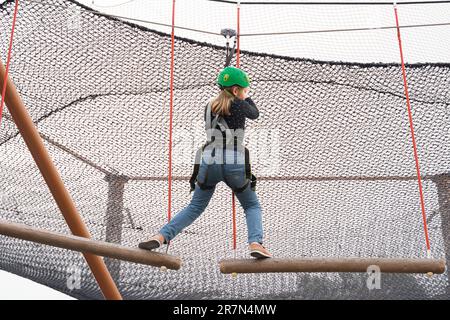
pixel 232 172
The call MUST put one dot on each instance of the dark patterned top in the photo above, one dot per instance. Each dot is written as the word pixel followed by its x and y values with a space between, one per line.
pixel 239 110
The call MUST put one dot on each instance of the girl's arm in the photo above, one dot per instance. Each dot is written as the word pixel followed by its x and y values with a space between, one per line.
pixel 249 108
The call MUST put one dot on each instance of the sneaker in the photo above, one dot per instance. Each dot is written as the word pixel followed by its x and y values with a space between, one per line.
pixel 154 242
pixel 258 251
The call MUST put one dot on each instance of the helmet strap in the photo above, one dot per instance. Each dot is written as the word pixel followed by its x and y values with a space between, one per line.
pixel 229 93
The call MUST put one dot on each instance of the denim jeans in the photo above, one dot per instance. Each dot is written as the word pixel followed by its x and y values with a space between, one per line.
pixel 232 172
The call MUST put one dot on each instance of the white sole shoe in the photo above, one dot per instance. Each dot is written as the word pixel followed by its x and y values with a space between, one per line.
pixel 259 255
pixel 150 245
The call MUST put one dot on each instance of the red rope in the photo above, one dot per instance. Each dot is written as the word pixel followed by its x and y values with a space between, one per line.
pixel 238 34
pixel 233 199
pixel 234 221
pixel 416 158
pixel 8 60
pixel 169 206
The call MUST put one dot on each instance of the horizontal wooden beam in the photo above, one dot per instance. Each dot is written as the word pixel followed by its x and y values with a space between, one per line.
pixel 85 245
pixel 386 265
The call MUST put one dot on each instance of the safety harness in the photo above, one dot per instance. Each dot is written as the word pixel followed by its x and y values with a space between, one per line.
pixel 218 122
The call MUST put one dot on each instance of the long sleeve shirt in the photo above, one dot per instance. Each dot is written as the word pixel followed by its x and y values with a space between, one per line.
pixel 239 111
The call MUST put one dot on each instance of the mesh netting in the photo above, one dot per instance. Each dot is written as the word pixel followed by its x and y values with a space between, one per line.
pixel 332 151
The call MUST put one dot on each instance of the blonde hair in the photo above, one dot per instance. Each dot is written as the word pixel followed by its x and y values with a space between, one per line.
pixel 222 103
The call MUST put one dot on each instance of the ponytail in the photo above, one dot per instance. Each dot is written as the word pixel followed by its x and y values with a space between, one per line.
pixel 222 103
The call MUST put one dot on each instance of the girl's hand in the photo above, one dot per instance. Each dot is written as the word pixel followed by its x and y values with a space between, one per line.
pixel 240 93
pixel 243 94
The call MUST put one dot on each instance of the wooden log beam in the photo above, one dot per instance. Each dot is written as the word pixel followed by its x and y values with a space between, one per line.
pixel 81 244
pixel 386 265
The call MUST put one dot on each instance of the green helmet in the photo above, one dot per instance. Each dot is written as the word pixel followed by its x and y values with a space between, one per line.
pixel 231 76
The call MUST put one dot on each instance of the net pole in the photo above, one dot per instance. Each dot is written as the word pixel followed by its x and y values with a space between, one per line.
pixel 49 172
pixel 8 60
pixel 411 126
pixel 54 182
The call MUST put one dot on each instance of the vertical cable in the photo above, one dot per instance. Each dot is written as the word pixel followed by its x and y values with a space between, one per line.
pixel 234 223
pixel 416 157
pixel 238 35
pixel 237 66
pixel 169 204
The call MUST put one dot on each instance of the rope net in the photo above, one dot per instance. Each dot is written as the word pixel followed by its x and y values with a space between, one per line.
pixel 332 151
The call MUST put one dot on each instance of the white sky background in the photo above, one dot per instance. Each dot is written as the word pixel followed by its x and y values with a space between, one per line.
pixel 13 287
pixel 426 44
pixel 423 44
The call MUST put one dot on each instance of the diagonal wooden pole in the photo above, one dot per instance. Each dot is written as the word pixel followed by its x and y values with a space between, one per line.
pixel 51 176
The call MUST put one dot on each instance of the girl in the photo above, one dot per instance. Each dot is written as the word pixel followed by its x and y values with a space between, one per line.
pixel 222 160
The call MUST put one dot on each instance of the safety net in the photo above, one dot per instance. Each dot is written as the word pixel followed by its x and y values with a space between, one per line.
pixel 332 149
